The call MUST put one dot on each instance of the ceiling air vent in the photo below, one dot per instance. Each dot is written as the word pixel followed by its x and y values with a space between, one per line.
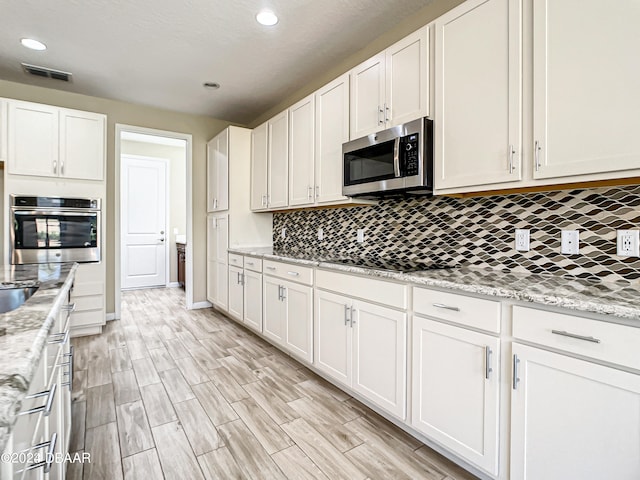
pixel 46 72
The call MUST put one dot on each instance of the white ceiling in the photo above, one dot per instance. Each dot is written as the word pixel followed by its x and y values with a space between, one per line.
pixel 159 52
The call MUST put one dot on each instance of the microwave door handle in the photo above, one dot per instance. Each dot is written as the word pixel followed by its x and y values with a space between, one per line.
pixel 396 157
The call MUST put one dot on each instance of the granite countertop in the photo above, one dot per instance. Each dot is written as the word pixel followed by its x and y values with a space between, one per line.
pixel 621 301
pixel 24 332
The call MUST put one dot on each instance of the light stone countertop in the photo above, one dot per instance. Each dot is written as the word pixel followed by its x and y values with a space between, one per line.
pixel 621 301
pixel 24 332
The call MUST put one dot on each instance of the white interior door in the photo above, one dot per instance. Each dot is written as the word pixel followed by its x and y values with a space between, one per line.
pixel 143 205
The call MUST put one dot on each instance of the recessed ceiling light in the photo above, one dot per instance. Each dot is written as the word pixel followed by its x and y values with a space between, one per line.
pixel 211 85
pixel 266 17
pixel 33 44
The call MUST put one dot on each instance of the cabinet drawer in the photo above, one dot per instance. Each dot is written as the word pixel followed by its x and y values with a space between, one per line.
pixel 469 311
pixel 288 271
pixel 236 260
pixel 604 341
pixel 372 289
pixel 253 264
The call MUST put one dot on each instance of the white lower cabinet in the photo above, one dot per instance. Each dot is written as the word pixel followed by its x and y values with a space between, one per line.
pixel 572 418
pixel 363 346
pixel 288 316
pixel 236 292
pixel 253 300
pixel 456 389
pixel 217 263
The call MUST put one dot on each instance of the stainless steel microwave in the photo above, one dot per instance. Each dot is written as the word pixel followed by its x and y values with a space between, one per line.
pixel 396 160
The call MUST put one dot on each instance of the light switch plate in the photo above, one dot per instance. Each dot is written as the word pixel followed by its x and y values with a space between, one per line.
pixel 360 235
pixel 628 243
pixel 570 242
pixel 320 233
pixel 522 240
pixel 283 233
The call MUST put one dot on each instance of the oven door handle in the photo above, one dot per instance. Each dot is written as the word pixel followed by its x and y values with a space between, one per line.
pixel 49 213
pixel 396 157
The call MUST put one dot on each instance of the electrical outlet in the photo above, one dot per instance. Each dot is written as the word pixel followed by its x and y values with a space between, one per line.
pixel 360 235
pixel 320 233
pixel 570 242
pixel 629 243
pixel 283 233
pixel 522 240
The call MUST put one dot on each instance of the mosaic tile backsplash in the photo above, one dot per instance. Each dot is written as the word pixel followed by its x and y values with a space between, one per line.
pixel 479 231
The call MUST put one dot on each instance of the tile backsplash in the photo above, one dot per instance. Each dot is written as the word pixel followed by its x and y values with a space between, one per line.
pixel 479 231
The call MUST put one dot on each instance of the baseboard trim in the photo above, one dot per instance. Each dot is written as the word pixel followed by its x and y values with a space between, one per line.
pixel 110 316
pixel 199 305
pixel 173 285
pixel 84 331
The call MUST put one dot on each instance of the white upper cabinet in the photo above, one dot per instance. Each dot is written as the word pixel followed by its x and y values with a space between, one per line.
pixel 259 167
pixel 478 118
pixel 3 130
pixel 392 87
pixel 218 172
pixel 33 147
pixel 332 130
pixel 82 145
pixel 53 142
pixel 586 77
pixel 278 160
pixel 301 152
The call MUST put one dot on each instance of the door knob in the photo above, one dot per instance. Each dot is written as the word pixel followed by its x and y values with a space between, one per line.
pixel 161 232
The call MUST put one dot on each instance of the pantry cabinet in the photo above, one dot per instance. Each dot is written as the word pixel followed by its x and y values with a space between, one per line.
pixel 302 189
pixel 218 172
pixel 572 419
pixel 217 265
pixel 585 88
pixel 392 87
pixel 478 94
pixel 48 141
pixel 456 386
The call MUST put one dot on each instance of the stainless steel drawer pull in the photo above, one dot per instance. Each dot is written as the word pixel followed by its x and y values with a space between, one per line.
pixel 573 335
pixel 271 268
pixel 49 457
pixel 46 408
pixel 250 263
pixel 516 380
pixel 59 338
pixel 487 362
pixel 295 274
pixel 446 307
pixel 346 315
pixel 70 307
pixel 69 373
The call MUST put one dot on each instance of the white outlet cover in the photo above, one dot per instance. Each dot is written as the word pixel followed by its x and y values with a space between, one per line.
pixel 283 233
pixel 522 238
pixel 360 234
pixel 320 233
pixel 628 243
pixel 570 242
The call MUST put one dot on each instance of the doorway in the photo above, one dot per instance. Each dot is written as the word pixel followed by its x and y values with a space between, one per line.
pixel 153 210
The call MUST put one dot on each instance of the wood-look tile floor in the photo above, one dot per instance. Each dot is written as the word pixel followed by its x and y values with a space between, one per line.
pixel 176 394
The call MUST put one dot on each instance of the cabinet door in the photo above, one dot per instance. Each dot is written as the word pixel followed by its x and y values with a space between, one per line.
pixel 273 310
pixel 379 356
pixel 573 419
pixel 278 148
pixel 301 152
pixel 236 293
pixel 585 85
pixel 33 145
pixel 259 167
pixel 3 130
pixel 299 320
pixel 211 257
pixel 212 185
pixel 221 296
pixel 455 389
pixel 407 79
pixel 367 97
pixel 253 300
pixel 332 336
pixel 82 145
pixel 478 94
pixel 332 130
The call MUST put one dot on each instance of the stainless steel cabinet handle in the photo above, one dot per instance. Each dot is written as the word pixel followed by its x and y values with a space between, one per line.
pixel 309 192
pixel 346 315
pixel 55 166
pixel 49 457
pixel 242 279
pixel 352 317
pixel 280 292
pixel 516 380
pixel 487 362
pixel 70 307
pixel 70 371
pixel 574 335
pixel 271 268
pixel 59 338
pixel 46 408
pixel 396 157
pixel 295 274
pixel 61 168
pixel 237 278
pixel 250 263
pixel 317 191
pixel 446 307
pixel 380 115
pixel 512 152
pixel 536 152
pixel 284 290
pixel 387 111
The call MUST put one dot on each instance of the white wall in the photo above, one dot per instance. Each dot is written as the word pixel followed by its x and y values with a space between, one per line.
pixel 177 189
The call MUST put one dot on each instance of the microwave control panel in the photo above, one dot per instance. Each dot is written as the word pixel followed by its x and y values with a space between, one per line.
pixel 410 154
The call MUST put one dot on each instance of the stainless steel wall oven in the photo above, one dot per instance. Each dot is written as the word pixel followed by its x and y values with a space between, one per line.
pixel 54 229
